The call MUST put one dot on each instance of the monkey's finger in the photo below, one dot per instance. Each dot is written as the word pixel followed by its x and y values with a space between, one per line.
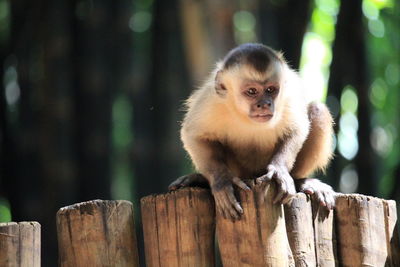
pixel 174 187
pixel 330 200
pixel 177 183
pixel 320 198
pixel 224 214
pixel 271 170
pixel 218 205
pixel 234 216
pixel 260 194
pixel 306 189
pixel 279 195
pixel 237 181
pixel 221 210
pixel 231 200
pixel 234 202
pixel 287 198
pixel 262 179
pixel 230 211
pixel 270 174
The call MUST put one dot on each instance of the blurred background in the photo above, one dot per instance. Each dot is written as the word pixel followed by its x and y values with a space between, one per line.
pixel 91 92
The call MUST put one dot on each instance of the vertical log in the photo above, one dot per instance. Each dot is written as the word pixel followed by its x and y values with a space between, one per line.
pixel 392 234
pixel 361 234
pixel 20 244
pixel 179 228
pixel 259 237
pixel 299 227
pixel 324 234
pixel 97 233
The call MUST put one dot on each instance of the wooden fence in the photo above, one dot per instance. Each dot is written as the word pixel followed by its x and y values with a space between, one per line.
pixel 181 229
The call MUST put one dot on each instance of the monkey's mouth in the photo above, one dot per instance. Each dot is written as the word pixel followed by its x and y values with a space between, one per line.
pixel 261 117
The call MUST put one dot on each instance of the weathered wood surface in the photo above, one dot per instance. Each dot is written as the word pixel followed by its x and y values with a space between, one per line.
pixel 97 233
pixel 362 229
pixel 300 231
pixel 259 237
pixel 324 235
pixel 20 244
pixel 392 234
pixel 179 228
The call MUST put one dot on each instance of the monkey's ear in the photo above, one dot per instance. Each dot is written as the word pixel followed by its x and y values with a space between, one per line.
pixel 219 86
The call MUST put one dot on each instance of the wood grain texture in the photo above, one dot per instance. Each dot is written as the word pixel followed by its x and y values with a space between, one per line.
pixel 20 244
pixel 325 236
pixel 300 231
pixel 97 233
pixel 179 228
pixel 392 234
pixel 259 237
pixel 361 233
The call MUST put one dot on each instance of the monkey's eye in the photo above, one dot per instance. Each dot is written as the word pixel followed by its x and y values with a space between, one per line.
pixel 251 91
pixel 271 89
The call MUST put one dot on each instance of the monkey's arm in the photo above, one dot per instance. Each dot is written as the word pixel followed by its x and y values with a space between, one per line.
pixel 282 162
pixel 209 159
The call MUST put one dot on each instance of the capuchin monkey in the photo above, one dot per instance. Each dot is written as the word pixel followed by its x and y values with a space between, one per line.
pixel 250 120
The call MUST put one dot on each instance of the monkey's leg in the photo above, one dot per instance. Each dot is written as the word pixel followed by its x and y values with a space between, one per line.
pixel 193 179
pixel 316 154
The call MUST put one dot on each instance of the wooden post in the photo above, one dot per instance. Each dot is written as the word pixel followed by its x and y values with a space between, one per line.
pixel 97 233
pixel 392 234
pixel 300 231
pixel 20 244
pixel 259 237
pixel 361 233
pixel 179 228
pixel 324 235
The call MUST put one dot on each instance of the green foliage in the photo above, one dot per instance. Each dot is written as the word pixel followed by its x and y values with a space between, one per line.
pixel 5 213
pixel 382 20
pixel 317 52
pixel 383 44
pixel 244 26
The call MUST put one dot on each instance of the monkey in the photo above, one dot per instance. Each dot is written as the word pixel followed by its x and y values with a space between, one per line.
pixel 251 120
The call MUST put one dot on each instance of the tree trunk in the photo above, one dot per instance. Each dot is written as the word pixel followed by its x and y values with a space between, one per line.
pixel 94 94
pixel 56 125
pixel 283 25
pixel 158 151
pixel 349 66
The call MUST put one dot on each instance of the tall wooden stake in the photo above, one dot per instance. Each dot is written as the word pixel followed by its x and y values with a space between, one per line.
pixel 300 231
pixel 259 237
pixel 179 228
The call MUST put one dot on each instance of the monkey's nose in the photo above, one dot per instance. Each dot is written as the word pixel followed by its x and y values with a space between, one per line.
pixel 264 104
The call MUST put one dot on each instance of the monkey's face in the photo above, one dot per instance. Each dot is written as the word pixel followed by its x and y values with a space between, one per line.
pixel 254 95
pixel 259 99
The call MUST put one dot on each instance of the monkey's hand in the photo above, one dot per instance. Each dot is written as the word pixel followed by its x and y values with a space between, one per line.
pixel 320 191
pixel 285 183
pixel 225 201
pixel 193 179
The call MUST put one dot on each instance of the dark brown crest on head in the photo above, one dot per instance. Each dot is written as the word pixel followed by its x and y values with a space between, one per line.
pixel 257 56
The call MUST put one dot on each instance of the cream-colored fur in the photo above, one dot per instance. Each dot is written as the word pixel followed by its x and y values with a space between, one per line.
pixel 221 118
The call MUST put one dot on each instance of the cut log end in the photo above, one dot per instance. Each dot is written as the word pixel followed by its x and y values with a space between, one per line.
pixel 97 233
pixel 20 244
pixel 179 228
